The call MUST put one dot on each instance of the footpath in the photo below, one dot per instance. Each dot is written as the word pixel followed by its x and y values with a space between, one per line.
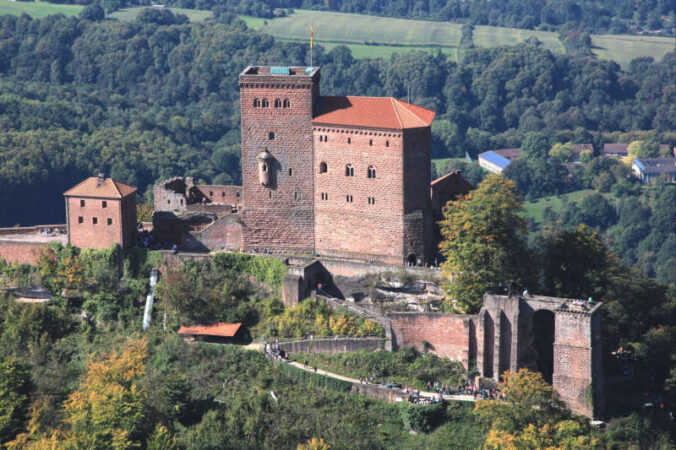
pixel 456 397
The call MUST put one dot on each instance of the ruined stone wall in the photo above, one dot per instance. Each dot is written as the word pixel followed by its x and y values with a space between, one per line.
pixel 359 216
pixel 280 216
pixel 228 195
pixel 21 252
pixel 449 335
pixel 102 234
pixel 165 199
pixel 226 233
pixel 128 226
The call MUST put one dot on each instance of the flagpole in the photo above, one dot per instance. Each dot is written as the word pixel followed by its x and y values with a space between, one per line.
pixel 312 29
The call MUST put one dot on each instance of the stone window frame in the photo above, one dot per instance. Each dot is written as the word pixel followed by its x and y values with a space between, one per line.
pixel 371 200
pixel 271 135
pixel 265 103
pixel 371 172
pixel 278 103
pixel 349 198
pixel 256 103
pixel 323 167
pixel 349 170
pixel 286 103
pixel 290 171
pixel 349 140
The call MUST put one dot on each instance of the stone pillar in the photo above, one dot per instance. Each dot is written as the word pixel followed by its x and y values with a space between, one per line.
pixel 578 373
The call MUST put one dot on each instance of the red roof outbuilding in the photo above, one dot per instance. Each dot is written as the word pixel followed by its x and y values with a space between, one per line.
pixel 222 329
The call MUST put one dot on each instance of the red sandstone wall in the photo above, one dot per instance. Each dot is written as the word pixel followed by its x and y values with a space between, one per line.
pixel 572 376
pixel 358 228
pixel 448 334
pixel 226 233
pixel 279 217
pixel 21 252
pixel 230 195
pixel 416 189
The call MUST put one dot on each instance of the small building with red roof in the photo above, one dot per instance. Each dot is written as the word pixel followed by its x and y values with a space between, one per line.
pixel 221 332
pixel 100 212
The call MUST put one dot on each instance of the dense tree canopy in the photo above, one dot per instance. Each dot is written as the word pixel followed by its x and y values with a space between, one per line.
pixel 158 97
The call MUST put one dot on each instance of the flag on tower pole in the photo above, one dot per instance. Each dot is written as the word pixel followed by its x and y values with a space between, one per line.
pixel 312 32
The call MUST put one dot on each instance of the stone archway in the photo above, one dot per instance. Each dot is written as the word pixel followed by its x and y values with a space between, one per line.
pixel 412 259
pixel 543 342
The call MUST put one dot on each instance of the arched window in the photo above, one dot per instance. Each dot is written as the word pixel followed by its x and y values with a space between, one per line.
pixel 265 103
pixel 278 103
pixel 387 143
pixel 370 141
pixel 257 103
pixel 349 170
pixel 265 167
pixel 271 136
pixel 287 103
pixel 323 168
pixel 349 140
pixel 321 138
pixel 371 173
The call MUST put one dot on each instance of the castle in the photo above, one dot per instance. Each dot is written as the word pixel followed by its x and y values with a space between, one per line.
pixel 345 177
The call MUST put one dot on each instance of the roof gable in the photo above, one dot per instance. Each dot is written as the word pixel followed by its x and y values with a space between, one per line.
pixel 100 188
pixel 372 112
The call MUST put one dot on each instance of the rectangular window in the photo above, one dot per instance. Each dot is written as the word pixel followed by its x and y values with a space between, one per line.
pixel 211 193
pixel 290 172
pixel 371 200
pixel 223 194
pixel 325 196
pixel 82 202
pixel 95 220
pixel 104 204
pixel 110 221
pixel 80 219
pixel 348 198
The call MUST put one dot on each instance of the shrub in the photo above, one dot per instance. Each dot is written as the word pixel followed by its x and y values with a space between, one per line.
pixel 423 418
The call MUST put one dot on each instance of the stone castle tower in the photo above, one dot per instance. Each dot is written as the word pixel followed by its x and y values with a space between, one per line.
pixel 345 177
pixel 277 107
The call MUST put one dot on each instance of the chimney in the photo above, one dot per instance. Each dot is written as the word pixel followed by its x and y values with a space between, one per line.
pixel 101 180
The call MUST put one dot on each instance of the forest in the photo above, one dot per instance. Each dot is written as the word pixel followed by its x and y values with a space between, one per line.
pixel 146 100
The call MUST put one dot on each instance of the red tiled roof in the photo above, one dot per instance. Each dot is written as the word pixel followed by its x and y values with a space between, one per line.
pixel 222 329
pixel 620 149
pixel 93 187
pixel 452 183
pixel 372 112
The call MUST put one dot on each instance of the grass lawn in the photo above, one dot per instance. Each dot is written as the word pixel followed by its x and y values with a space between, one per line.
pixel 536 208
pixel 38 10
pixel 485 36
pixel 255 23
pixel 623 48
pixel 359 29
pixel 362 51
pixel 129 14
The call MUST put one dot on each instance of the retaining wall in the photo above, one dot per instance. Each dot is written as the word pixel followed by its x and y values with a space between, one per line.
pixel 344 345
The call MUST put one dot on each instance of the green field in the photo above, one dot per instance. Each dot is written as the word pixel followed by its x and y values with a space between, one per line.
pixel 623 48
pixel 361 51
pixel 129 14
pixel 485 36
pixel 535 209
pixel 38 10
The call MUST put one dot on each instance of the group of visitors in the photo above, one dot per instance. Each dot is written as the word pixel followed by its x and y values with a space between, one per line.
pixel 52 231
pixel 426 400
pixel 579 305
pixel 273 351
pixel 467 389
pixel 147 239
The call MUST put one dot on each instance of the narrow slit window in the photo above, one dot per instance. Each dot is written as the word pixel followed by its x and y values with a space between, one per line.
pixel 349 140
pixel 370 141
pixel 271 136
pixel 387 143
pixel 349 170
pixel 371 173
pixel 290 172
pixel 287 103
pixel 82 202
